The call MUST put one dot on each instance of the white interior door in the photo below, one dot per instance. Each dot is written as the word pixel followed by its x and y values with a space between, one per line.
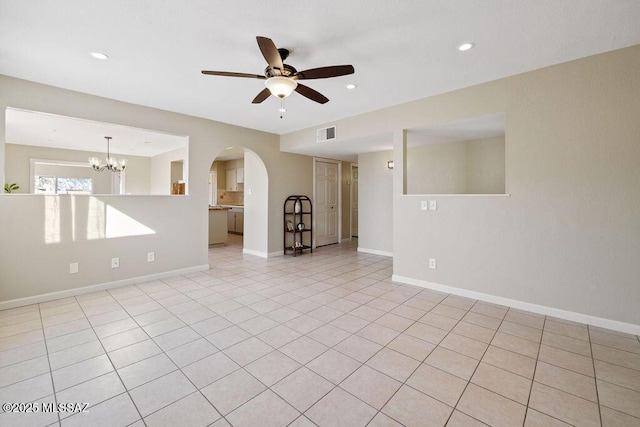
pixel 354 202
pixel 326 203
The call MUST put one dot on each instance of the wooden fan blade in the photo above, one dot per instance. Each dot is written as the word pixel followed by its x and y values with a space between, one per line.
pixel 313 95
pixel 271 54
pixel 325 72
pixel 230 74
pixel 261 96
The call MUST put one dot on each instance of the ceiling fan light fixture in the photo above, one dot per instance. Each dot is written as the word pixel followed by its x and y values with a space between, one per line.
pixel 99 55
pixel 281 86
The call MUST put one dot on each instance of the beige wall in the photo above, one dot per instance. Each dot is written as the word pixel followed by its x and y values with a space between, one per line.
pixel 375 203
pixel 178 224
pixel 568 237
pixel 17 167
pixel 346 200
pixel 162 170
pixel 464 167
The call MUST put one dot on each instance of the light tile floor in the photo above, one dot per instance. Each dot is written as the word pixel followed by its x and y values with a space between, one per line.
pixel 321 339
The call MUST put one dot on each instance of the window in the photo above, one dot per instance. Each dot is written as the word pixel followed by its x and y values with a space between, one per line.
pixel 62 185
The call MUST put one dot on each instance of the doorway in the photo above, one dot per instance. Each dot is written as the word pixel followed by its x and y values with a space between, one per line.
pixel 238 183
pixel 326 201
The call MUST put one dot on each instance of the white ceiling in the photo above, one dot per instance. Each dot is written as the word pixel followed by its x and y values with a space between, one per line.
pixel 49 130
pixel 401 50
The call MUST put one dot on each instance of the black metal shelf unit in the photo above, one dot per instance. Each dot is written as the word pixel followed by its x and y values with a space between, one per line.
pixel 298 225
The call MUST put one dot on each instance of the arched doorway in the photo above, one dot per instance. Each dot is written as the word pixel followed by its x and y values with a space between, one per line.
pixel 238 179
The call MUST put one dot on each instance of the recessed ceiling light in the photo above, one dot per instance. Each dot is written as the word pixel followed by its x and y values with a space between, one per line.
pixel 465 46
pixel 99 55
pixel 351 86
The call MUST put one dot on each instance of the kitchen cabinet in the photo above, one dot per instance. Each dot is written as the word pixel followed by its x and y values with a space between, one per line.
pixel 234 177
pixel 235 221
pixel 217 225
pixel 232 183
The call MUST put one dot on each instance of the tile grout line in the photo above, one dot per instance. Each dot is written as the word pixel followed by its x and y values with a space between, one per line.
pixel 533 376
pixel 53 385
pixel 595 375
pixel 106 353
pixel 455 407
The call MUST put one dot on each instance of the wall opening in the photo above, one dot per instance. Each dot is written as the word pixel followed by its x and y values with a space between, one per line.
pixel 460 157
pixel 152 157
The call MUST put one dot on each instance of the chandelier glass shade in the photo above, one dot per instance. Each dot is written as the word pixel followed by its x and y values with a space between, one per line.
pixel 112 164
pixel 281 86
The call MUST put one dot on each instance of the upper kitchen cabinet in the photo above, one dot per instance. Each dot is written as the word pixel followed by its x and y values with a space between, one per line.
pixel 232 183
pixel 235 177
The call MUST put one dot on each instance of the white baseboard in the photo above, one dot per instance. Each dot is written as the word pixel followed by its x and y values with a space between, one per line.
pixel 615 325
pixel 255 253
pixel 19 302
pixel 375 252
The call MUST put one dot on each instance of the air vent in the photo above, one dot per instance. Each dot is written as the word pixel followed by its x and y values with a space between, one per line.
pixel 326 134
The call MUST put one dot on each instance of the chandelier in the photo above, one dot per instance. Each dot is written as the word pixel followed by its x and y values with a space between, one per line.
pixel 112 164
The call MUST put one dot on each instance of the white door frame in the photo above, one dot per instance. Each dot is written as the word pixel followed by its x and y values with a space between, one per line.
pixel 352 167
pixel 339 182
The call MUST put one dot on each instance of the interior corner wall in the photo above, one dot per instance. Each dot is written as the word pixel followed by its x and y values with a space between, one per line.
pixel 256 222
pixel 161 169
pixel 375 203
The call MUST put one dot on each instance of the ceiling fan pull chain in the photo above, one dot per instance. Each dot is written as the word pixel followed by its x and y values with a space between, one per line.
pixel 282 109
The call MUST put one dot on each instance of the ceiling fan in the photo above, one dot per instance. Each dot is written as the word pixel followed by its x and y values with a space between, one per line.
pixel 282 79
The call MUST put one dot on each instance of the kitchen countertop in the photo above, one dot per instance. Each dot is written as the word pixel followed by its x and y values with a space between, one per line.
pixel 219 208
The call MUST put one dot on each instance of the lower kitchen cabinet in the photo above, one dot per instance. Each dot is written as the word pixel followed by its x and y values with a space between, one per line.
pixel 235 221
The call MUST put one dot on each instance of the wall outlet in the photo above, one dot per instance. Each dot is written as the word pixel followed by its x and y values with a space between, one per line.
pixel 73 268
pixel 151 256
pixel 432 263
pixel 115 262
pixel 433 205
pixel 248 191
pixel 424 205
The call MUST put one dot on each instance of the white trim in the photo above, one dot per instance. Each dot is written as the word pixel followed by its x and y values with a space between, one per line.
pixel 351 168
pixel 19 302
pixel 457 195
pixel 615 325
pixel 338 163
pixel 375 252
pixel 255 253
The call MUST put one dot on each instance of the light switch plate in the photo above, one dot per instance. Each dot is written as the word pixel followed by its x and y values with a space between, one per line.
pixel 424 205
pixel 115 262
pixel 433 205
